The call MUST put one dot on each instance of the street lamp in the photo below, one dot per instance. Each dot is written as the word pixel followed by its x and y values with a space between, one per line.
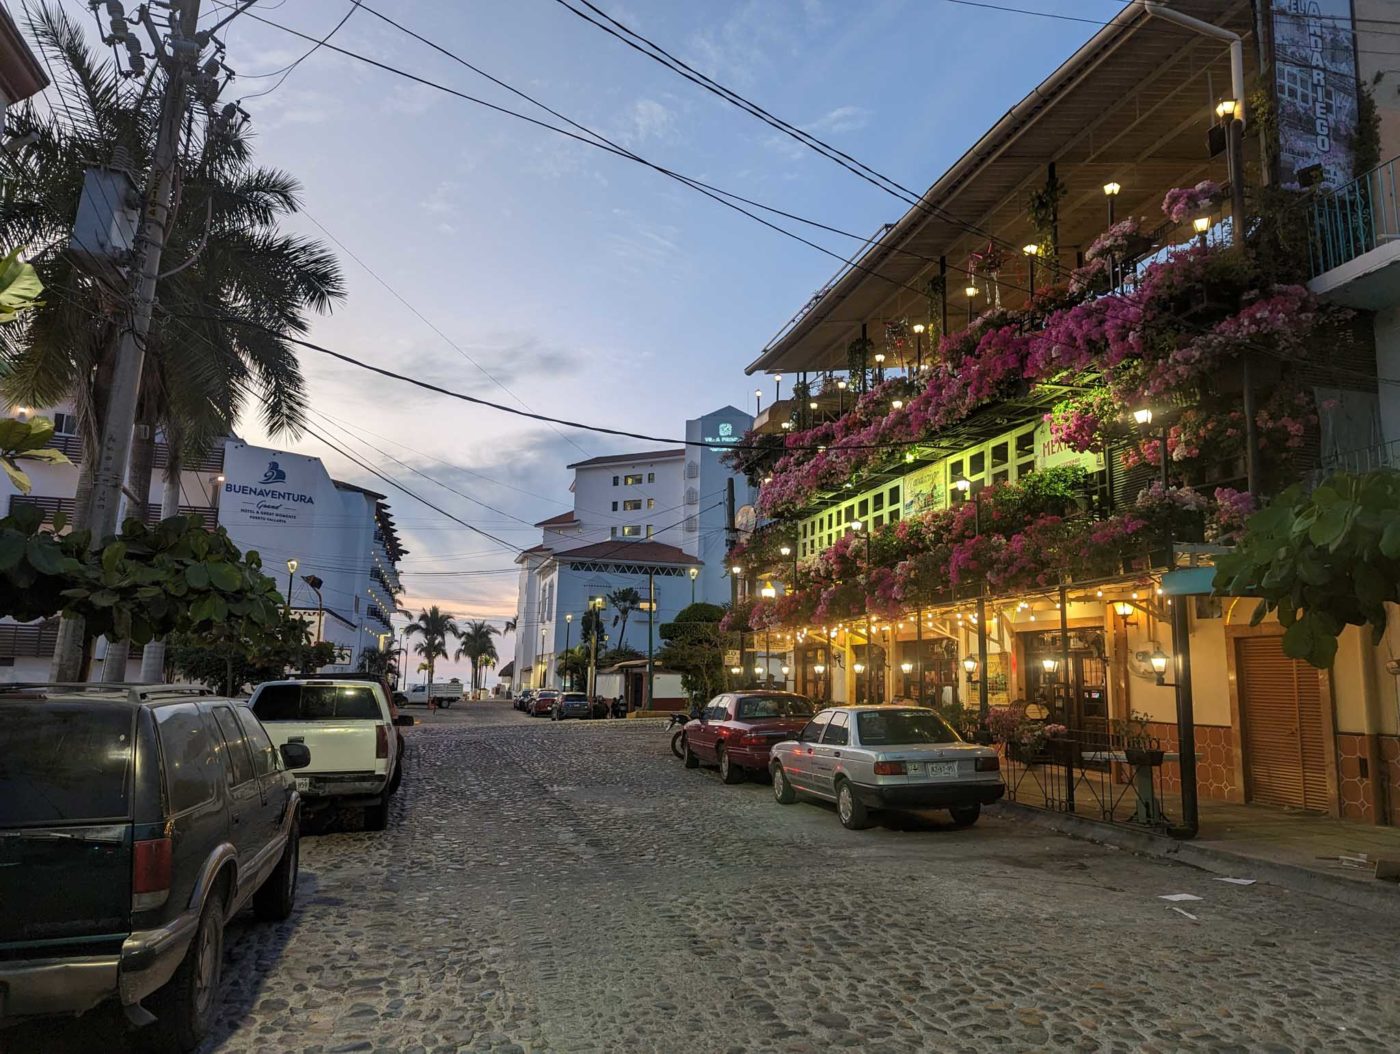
pixel 1049 664
pixel 919 328
pixel 694 574
pixel 768 592
pixel 1111 191
pixel 786 670
pixel 568 632
pixel 869 626
pixel 971 292
pixel 1202 225
pixel 777 388
pixel 1160 660
pixel 1032 251
pixel 291 570
pixel 841 386
pixel 757 401
pixel 970 665
pixel 1143 419
pixel 315 583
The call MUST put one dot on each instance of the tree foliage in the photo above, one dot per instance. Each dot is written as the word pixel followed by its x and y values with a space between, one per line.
pixel 478 646
pixel 694 647
pixel 1321 561
pixel 27 441
pixel 230 661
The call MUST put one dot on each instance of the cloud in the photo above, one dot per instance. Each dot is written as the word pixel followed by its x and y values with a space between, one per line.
pixel 841 119
pixel 741 46
pixel 646 120
pixel 443 199
pixel 410 99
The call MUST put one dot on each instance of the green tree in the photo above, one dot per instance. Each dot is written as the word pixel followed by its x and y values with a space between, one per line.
pixel 693 645
pixel 435 627
pixel 572 666
pixel 383 664
pixel 232 662
pixel 624 601
pixel 478 646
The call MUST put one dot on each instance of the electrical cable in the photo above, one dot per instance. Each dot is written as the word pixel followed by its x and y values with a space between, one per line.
pixel 287 71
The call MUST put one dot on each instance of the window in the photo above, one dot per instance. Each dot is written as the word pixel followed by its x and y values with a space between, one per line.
pixel 837 734
pixel 813 732
pixel 651 503
pixel 264 754
pixel 718 710
pixel 651 477
pixel 239 761
pixel 613 532
pixel 631 530
pixel 191 765
pixel 886 727
pixel 614 484
pixel 632 505
pixel 614 508
pixel 632 480
pixel 65 424
pixel 758 707
pixel 62 762
pixel 648 530
pixel 316 702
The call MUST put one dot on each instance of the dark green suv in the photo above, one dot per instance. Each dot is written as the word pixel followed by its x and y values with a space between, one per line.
pixel 134 822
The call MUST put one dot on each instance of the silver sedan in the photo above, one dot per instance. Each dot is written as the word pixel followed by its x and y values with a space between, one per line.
pixel 865 758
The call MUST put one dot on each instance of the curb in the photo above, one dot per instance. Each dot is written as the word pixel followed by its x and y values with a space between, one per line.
pixel 1385 897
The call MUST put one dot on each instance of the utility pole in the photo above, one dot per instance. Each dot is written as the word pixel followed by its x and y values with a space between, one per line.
pixel 180 61
pixel 651 621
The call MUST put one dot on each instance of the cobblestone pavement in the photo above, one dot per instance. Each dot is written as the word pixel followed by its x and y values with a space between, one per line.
pixel 571 887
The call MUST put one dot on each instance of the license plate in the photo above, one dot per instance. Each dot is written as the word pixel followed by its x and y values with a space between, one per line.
pixel 942 768
pixel 303 784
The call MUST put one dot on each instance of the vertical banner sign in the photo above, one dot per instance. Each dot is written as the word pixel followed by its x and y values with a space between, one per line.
pixel 1315 81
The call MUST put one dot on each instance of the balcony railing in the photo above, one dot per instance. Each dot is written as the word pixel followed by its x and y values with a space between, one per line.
pixel 1354 219
pixel 209 517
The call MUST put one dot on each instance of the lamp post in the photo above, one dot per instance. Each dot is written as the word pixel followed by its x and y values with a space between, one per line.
pixel 694 574
pixel 971 292
pixel 568 631
pixel 786 670
pixel 869 625
pixel 879 366
pixel 594 604
pixel 1111 191
pixel 757 401
pixel 919 347
pixel 1229 112
pixel 1143 419
pixel 777 388
pixel 1201 225
pixel 1032 251
pixel 841 386
pixel 651 636
pixel 291 570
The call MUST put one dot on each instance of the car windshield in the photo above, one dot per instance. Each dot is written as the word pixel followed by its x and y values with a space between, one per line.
pixel 882 728
pixel 758 707
pixel 316 702
pixel 61 762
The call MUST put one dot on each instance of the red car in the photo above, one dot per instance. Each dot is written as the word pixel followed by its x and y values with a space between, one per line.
pixel 543 704
pixel 736 730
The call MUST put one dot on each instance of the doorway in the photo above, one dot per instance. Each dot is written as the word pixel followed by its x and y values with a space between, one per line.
pixel 1284 733
pixel 1077 698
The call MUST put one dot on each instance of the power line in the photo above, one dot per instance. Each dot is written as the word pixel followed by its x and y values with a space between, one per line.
pixel 287 70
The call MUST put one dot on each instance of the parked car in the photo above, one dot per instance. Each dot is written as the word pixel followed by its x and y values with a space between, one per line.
pixel 886 757
pixel 542 705
pixel 571 704
pixel 524 699
pixel 135 822
pixel 350 728
pixel 737 729
pixel 444 693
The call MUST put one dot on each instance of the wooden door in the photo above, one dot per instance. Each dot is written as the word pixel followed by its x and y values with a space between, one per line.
pixel 1284 736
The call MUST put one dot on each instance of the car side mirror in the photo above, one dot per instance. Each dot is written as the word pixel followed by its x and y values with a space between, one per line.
pixel 295 755
pixel 405 720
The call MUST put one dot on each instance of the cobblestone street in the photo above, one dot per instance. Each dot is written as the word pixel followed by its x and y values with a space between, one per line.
pixel 549 887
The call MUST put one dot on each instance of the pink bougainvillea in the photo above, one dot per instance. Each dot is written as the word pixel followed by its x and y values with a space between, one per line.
pixel 1186 203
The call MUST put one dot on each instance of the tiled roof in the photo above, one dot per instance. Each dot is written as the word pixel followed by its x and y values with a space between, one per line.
pixel 632 552
pixel 622 459
pixel 559 521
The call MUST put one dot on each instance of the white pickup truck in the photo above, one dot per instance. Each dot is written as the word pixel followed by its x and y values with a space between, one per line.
pixel 349 725
pixel 444 693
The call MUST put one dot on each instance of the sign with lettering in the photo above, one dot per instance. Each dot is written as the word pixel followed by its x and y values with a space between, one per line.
pixel 1051 453
pixel 1315 83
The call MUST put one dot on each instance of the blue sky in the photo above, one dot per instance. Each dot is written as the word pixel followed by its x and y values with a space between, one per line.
pixel 591 287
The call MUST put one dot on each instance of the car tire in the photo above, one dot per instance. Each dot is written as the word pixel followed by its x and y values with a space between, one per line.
pixel 275 898
pixel 395 783
pixel 783 793
pixel 966 815
pixel 185 1005
pixel 377 815
pixel 729 772
pixel 692 760
pixel 678 743
pixel 854 815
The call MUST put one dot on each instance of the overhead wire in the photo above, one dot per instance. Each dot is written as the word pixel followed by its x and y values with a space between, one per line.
pixel 287 70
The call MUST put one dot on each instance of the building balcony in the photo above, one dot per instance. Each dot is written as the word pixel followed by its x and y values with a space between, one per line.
pixel 208 516
pixel 1354 241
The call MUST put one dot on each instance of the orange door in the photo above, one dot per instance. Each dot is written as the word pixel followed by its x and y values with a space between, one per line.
pixel 1284 736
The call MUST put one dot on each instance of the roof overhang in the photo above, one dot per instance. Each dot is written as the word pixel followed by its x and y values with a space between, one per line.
pixel 1131 106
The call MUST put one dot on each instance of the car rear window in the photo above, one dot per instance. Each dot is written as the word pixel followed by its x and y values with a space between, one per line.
pixel 575 697
pixel 64 762
pixel 316 702
pixel 758 707
pixel 882 728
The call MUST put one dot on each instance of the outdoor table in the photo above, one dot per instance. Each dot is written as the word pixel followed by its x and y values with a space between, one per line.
pixel 1148 810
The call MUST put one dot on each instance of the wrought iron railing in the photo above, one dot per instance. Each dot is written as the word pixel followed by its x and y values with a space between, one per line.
pixel 1108 776
pixel 1354 219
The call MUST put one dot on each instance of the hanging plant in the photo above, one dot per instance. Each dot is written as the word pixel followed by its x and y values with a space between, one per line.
pixel 858 362
pixel 1043 207
pixel 937 293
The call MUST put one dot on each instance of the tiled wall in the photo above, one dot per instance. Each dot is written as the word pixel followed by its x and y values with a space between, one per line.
pixel 1215 764
pixel 1355 789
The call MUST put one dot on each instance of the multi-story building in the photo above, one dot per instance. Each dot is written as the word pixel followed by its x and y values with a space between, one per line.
pixel 285 506
pixel 653 520
pixel 931 370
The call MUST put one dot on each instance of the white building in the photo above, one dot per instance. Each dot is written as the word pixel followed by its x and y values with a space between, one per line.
pixel 283 505
pixel 653 519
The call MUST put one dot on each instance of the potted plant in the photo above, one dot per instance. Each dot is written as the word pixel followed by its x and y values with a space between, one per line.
pixel 1141 748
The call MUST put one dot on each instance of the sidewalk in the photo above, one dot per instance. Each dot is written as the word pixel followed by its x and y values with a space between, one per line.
pixel 1295 850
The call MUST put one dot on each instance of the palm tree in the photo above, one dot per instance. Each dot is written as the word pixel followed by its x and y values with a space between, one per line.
pixel 572 665
pixel 233 286
pixel 625 601
pixel 434 626
pixel 477 645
